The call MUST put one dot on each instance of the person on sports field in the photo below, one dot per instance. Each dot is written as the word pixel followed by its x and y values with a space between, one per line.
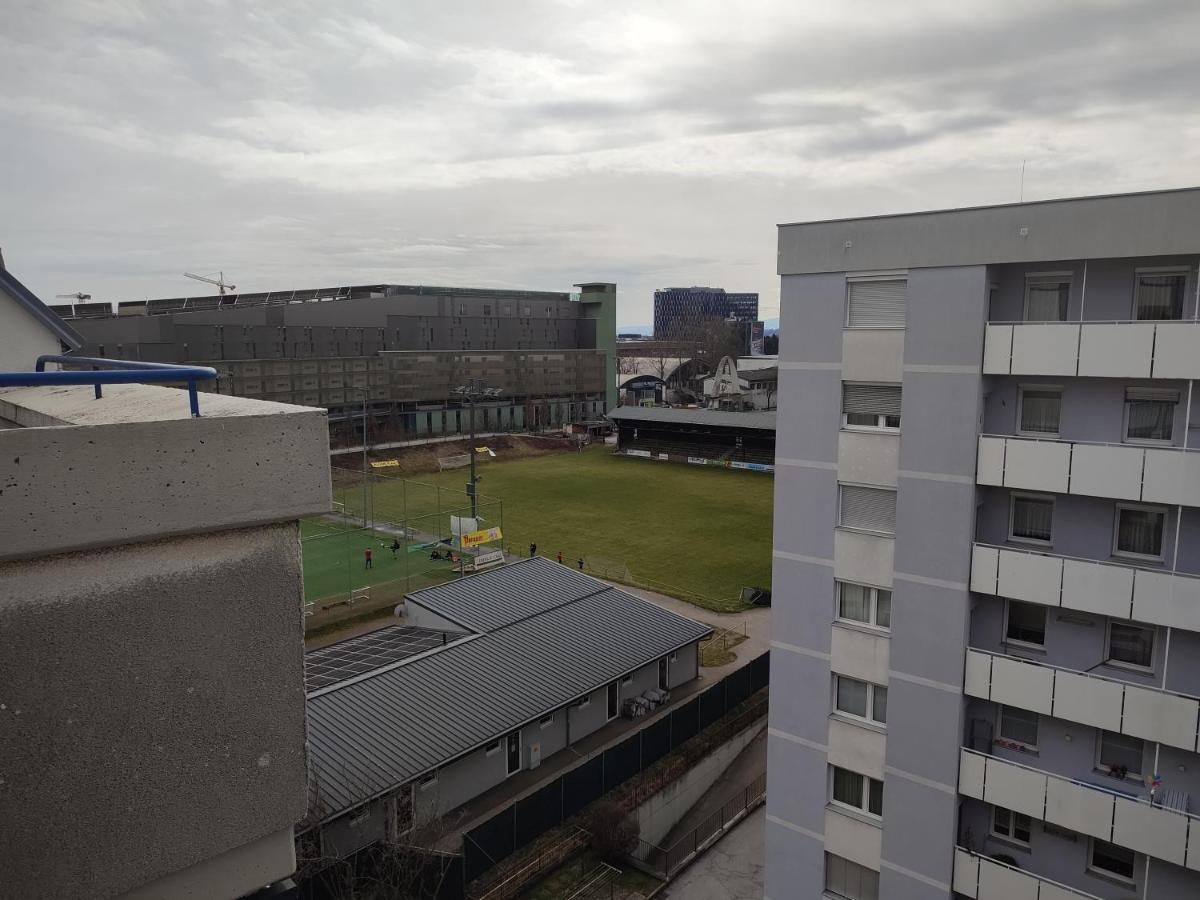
pixel 532 550
pixel 395 547
pixel 560 557
pixel 579 562
pixel 367 558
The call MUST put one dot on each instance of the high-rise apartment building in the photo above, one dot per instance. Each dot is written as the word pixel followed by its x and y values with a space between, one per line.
pixel 681 313
pixel 987 555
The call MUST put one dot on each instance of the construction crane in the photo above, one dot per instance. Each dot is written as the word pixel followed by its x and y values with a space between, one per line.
pixel 78 295
pixel 219 281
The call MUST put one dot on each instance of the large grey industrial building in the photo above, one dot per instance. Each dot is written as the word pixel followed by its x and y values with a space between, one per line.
pixel 402 348
pixel 987 555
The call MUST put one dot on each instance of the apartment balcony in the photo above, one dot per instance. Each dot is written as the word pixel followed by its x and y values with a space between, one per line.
pixel 1104 588
pixel 1148 713
pixel 1118 471
pixel 1117 818
pixel 985 879
pixel 1167 349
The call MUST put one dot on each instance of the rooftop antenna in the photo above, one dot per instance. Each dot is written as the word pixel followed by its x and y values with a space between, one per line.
pixel 1022 181
pixel 219 281
pixel 78 295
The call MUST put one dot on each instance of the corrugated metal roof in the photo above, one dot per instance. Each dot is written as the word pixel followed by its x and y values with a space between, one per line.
pixel 763 419
pixel 371 735
pixel 494 599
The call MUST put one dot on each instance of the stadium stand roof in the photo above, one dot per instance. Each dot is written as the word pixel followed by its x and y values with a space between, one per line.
pixel 754 376
pixel 763 420
pixel 380 730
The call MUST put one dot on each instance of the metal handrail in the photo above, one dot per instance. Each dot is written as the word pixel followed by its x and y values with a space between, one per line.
pixel 1084 784
pixel 1053 440
pixel 1124 684
pixel 1101 322
pixel 1040 878
pixel 1083 559
pixel 115 371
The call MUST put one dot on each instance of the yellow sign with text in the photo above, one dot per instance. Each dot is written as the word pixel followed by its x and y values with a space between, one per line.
pixel 384 463
pixel 476 538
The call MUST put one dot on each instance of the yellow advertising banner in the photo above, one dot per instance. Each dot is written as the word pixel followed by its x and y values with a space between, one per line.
pixel 475 538
pixel 384 463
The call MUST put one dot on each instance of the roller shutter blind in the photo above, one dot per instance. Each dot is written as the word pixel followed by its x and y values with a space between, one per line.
pixel 1152 395
pixel 871 399
pixel 877 304
pixel 872 509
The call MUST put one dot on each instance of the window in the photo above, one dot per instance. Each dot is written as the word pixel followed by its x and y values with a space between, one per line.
pixel 876 302
pixel 866 605
pixel 1150 414
pixel 546 721
pixel 860 699
pixel 857 791
pixel 427 781
pixel 1111 860
pixel 1038 410
pixel 871 509
pixel 1019 726
pixel 1013 826
pixel 1026 623
pixel 871 405
pixel 1046 296
pixel 514 752
pixel 1130 645
pixel 492 748
pixel 849 880
pixel 1139 531
pixel 1030 518
pixel 1158 295
pixel 1118 754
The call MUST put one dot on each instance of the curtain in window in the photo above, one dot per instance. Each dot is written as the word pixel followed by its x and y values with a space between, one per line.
pixel 1150 420
pixel 1160 296
pixel 847 787
pixel 855 603
pixel 1039 411
pixel 1131 644
pixel 1140 531
pixel 1032 518
pixel 1046 301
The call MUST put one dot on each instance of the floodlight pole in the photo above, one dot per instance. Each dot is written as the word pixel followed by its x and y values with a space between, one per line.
pixel 469 392
pixel 364 451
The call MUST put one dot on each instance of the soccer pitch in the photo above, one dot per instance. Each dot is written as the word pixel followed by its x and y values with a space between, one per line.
pixel 692 531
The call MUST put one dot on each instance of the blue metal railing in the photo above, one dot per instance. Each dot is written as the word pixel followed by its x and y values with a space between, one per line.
pixel 111 371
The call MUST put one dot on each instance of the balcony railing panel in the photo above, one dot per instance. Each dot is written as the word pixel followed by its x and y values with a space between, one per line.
pixel 982 878
pixel 1094 349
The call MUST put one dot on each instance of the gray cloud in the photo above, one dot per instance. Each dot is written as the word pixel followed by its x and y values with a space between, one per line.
pixel 539 143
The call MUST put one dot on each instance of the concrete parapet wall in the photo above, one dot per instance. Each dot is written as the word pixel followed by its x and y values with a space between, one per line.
pixel 151 695
pixel 134 466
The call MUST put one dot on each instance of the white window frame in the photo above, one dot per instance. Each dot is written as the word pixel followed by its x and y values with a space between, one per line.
pixel 1011 837
pixel 872 687
pixel 1158 270
pixel 863 810
pixel 428 781
pixel 1032 748
pixel 583 702
pixel 842 485
pixel 830 892
pixel 1139 507
pixel 1058 277
pixel 873 594
pixel 546 721
pixel 901 275
pixel 1012 505
pixel 1146 442
pixel 494 747
pixel 1019 643
pixel 1120 663
pixel 1049 388
pixel 881 423
pixel 1108 873
pixel 1102 766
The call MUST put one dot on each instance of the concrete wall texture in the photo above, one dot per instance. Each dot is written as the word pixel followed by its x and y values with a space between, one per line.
pixel 963 268
pixel 151 641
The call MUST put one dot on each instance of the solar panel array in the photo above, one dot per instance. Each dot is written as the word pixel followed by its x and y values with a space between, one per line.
pixel 346 659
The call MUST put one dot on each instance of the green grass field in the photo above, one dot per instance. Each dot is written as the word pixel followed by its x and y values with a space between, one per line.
pixel 691 531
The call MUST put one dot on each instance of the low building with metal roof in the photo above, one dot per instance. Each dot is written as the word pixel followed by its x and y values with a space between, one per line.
pixel 534 657
pixel 712 437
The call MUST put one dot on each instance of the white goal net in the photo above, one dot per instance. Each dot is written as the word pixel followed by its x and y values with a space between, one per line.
pixel 453 462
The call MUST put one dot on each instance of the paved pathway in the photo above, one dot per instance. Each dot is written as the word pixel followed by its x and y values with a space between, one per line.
pixel 732 869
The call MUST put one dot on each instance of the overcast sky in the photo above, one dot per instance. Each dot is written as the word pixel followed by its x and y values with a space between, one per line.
pixel 537 144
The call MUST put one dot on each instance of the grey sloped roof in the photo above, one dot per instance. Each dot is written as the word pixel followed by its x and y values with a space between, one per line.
pixel 373 734
pixel 495 599
pixel 761 420
pixel 22 296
